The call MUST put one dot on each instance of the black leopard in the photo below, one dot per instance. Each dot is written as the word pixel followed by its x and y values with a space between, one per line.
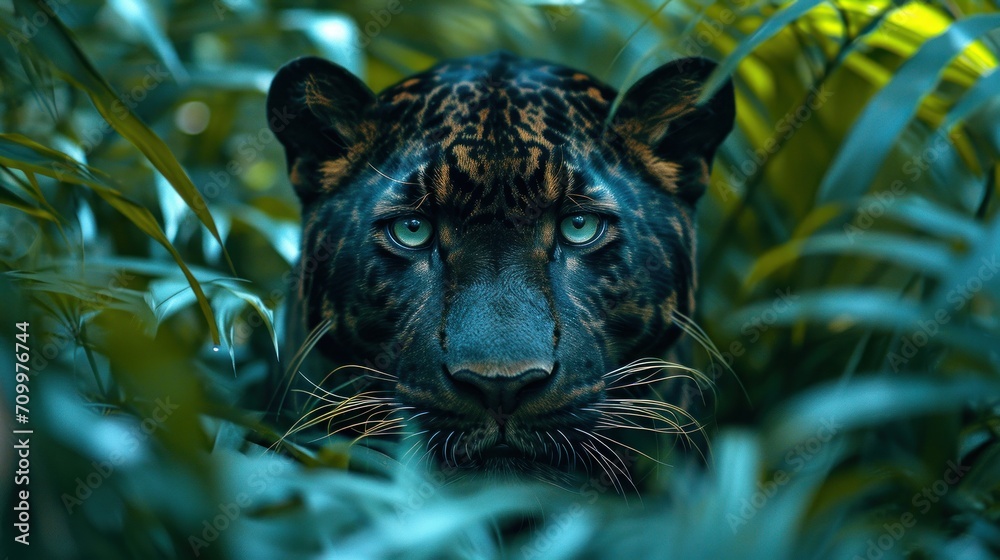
pixel 497 254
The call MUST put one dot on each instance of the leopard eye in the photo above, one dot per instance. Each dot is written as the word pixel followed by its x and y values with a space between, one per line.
pixel 411 232
pixel 581 229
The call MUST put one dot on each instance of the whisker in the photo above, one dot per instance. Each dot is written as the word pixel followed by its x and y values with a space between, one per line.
pixel 648 403
pixel 593 460
pixel 342 410
pixel 650 381
pixel 412 449
pixel 569 446
pixel 415 434
pixel 657 365
pixel 429 447
pixel 390 178
pixel 608 465
pixel 558 448
pixel 673 430
pixel 630 448
pixel 447 447
pixel 675 427
pixel 620 466
pixel 329 417
pixel 428 454
pixel 654 414
pixel 300 355
pixel 688 325
pixel 627 415
pixel 637 363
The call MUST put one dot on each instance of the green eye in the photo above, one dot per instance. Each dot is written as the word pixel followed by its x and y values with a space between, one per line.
pixel 581 229
pixel 412 232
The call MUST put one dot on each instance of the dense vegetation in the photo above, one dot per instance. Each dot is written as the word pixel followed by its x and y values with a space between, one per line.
pixel 849 282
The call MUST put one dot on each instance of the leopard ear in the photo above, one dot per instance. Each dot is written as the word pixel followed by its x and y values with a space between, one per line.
pixel 661 111
pixel 317 110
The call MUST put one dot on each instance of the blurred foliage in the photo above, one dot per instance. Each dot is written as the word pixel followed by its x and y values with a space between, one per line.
pixel 849 250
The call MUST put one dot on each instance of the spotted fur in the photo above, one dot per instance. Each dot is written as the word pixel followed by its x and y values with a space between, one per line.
pixel 499 342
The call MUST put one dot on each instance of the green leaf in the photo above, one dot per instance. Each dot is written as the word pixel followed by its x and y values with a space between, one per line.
pixel 978 273
pixel 918 212
pixel 11 199
pixel 283 235
pixel 55 44
pixel 874 134
pixel 266 314
pixel 143 20
pixel 871 401
pixel 919 254
pixel 168 296
pixel 771 27
pixel 840 306
pixel 843 308
pixel 21 153
pixel 141 266
pixel 227 308
pixel 77 281
pixel 984 91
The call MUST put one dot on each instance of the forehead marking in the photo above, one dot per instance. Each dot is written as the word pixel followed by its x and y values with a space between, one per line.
pixel 504 137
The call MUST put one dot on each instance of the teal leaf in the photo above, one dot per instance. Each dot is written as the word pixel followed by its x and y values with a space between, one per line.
pixel 874 134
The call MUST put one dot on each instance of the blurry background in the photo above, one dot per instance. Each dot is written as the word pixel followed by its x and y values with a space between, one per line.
pixel 849 248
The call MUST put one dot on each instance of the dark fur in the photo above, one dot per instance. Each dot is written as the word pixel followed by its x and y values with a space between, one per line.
pixel 496 338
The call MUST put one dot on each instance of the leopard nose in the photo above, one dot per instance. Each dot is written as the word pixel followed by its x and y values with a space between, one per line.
pixel 500 387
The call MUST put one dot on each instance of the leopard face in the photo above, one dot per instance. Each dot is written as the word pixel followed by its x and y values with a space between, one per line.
pixel 495 245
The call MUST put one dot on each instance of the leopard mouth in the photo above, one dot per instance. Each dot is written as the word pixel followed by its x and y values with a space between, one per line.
pixel 503 451
pixel 505 462
pixel 477 441
pixel 508 461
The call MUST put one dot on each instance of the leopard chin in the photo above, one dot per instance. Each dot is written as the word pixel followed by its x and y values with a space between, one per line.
pixel 496 265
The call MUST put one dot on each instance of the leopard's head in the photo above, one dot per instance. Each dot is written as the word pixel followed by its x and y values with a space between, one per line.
pixel 495 240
